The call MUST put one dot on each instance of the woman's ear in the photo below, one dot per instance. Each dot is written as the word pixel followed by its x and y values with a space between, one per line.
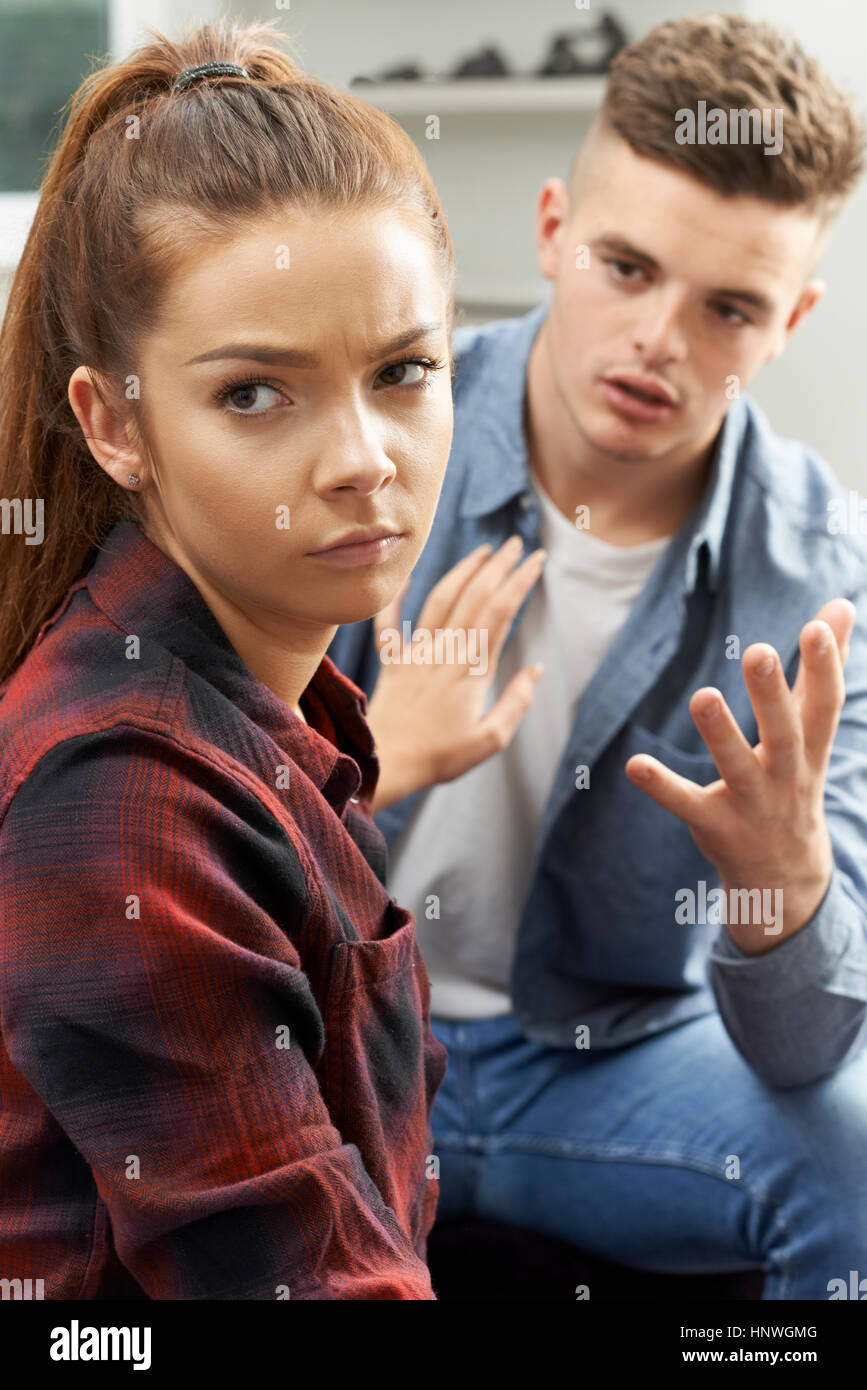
pixel 108 431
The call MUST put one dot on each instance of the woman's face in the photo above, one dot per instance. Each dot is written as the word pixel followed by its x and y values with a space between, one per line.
pixel 298 392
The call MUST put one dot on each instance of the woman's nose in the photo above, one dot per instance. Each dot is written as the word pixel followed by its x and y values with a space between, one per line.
pixel 353 456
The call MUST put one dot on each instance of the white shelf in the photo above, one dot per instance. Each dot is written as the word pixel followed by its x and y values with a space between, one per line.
pixel 500 95
pixel 512 295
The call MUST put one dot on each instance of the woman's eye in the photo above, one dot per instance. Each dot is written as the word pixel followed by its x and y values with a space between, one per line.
pixel 408 373
pixel 244 394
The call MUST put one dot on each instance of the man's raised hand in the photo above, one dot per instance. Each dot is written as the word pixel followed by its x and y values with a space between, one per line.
pixel 762 825
pixel 426 715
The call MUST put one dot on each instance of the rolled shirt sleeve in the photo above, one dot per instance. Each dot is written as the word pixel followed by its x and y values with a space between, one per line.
pixel 798 1011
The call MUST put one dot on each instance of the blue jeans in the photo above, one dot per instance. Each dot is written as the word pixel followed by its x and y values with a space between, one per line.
pixel 668 1155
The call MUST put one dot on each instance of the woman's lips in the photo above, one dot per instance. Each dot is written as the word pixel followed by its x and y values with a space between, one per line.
pixel 359 553
pixel 625 403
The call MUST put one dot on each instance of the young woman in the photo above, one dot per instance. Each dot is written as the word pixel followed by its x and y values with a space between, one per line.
pixel 226 366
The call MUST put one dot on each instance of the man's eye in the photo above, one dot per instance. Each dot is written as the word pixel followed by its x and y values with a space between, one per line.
pixel 724 310
pixel 624 266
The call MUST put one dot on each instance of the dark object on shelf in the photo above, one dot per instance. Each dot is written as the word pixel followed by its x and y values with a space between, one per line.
pixel 478 1261
pixel 407 72
pixel 487 62
pixel 601 42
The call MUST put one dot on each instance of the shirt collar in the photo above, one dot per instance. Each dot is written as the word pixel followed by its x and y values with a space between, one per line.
pixel 491 445
pixel 709 516
pixel 489 417
pixel 144 592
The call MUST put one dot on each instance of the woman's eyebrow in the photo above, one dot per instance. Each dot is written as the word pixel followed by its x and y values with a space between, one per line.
pixel 295 357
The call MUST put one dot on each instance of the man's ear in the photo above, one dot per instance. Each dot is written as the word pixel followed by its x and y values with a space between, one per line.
pixel 807 300
pixel 552 213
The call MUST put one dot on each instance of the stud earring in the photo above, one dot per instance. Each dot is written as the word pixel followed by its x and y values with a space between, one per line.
pixel 133 480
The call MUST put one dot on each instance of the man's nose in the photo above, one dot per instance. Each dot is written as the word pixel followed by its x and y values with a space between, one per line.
pixel 658 336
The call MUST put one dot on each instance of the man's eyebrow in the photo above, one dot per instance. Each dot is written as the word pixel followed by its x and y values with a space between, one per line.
pixel 615 243
pixel 621 247
pixel 758 301
pixel 294 357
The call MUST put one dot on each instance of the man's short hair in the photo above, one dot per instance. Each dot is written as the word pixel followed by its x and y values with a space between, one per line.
pixel 731 63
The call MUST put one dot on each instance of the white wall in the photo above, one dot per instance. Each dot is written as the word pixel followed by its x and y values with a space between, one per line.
pixel 816 390
pixel 488 170
pixel 489 167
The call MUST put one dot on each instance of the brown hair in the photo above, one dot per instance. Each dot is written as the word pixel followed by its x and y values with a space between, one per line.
pixel 731 62
pixel 117 217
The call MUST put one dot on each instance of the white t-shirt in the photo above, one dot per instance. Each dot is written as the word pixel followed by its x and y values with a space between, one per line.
pixel 470 842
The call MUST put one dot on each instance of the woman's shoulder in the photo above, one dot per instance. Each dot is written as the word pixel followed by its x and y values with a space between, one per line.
pixel 95 714
pixel 81 677
pixel 107 779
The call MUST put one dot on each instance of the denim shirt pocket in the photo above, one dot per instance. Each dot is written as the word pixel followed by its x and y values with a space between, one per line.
pixel 634 857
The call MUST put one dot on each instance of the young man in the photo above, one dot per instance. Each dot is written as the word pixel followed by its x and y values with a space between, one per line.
pixel 645 917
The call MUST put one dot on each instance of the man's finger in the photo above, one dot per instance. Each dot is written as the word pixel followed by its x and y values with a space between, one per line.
pixel 680 796
pixel 735 760
pixel 472 605
pixel 498 727
pixel 505 602
pixel 839 614
pixel 776 711
pixel 824 691
pixel 445 593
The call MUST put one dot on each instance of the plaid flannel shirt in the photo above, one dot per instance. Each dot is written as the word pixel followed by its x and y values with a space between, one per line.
pixel 216 1065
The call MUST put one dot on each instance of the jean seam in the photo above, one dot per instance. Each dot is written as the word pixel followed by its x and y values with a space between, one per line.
pixel 565 1148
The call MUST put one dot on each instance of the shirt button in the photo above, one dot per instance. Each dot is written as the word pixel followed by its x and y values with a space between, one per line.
pixel 525 501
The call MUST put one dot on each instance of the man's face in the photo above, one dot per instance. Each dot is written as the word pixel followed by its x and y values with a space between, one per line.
pixel 680 287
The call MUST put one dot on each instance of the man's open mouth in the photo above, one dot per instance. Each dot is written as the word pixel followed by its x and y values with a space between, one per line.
pixel 652 397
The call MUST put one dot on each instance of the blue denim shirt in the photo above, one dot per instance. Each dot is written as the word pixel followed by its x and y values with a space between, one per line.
pixel 598 942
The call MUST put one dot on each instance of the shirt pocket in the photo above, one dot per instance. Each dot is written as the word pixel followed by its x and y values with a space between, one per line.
pixel 634 856
pixel 698 767
pixel 382 1066
pixel 660 850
